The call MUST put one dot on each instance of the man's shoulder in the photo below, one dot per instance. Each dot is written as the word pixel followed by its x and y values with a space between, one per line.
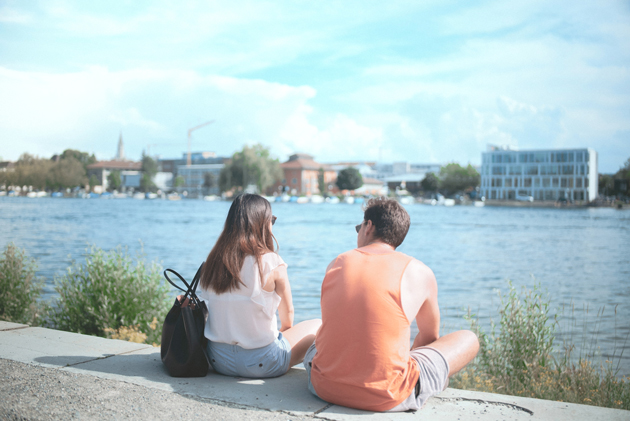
pixel 419 271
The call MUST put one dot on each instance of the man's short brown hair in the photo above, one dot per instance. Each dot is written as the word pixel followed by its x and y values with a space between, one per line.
pixel 391 221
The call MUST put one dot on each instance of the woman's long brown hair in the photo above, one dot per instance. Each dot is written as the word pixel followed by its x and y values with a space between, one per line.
pixel 246 232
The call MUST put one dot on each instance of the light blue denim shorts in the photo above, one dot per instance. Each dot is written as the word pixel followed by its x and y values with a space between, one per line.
pixel 269 361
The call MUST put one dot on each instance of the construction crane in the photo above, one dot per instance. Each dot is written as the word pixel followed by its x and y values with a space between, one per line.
pixel 188 161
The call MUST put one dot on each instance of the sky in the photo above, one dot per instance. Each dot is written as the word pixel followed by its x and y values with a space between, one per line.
pixel 422 82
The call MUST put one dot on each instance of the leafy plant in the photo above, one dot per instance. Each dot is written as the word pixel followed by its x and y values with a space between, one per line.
pixel 108 291
pixel 521 360
pixel 349 179
pixel 20 289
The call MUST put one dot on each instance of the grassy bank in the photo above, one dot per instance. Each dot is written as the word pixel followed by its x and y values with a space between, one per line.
pixel 111 294
pixel 117 296
pixel 518 357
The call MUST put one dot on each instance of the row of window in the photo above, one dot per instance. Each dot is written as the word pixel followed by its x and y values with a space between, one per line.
pixel 534 157
pixel 537 182
pixel 535 169
pixel 578 195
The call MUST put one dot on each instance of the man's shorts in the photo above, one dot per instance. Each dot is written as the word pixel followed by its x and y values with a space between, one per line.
pixel 433 376
pixel 269 361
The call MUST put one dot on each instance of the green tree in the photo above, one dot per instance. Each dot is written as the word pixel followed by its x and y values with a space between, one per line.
pixel 179 181
pixel 32 171
pixel 252 165
pixel 114 181
pixel 430 183
pixel 67 173
pixel 455 178
pixel 83 157
pixel 209 180
pixel 606 184
pixel 149 169
pixel 93 181
pixel 624 174
pixel 349 179
pixel 321 183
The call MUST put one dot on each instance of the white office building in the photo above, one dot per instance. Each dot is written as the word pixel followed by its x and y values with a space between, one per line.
pixel 508 174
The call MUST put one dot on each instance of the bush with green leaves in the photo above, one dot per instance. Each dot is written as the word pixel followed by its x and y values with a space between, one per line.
pixel 520 359
pixel 20 289
pixel 109 291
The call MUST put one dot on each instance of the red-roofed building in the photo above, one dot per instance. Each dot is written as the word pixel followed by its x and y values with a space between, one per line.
pixel 300 176
pixel 130 172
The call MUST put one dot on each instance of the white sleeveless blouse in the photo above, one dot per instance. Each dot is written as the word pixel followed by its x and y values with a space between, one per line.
pixel 247 316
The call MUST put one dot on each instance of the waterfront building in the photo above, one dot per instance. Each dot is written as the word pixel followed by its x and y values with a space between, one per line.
pixel 558 174
pixel 130 172
pixel 372 187
pixel 300 176
pixel 201 177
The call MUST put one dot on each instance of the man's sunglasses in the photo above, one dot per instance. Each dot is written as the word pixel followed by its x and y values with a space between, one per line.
pixel 273 219
pixel 358 227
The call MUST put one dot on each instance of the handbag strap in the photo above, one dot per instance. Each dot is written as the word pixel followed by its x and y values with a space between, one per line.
pixel 191 289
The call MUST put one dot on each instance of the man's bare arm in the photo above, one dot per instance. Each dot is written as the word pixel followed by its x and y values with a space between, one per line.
pixel 428 316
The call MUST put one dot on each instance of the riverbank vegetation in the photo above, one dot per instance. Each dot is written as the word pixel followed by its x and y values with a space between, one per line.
pixel 520 359
pixel 20 288
pixel 114 295
pixel 111 290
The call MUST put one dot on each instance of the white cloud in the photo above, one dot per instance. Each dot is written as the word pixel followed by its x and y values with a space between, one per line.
pixel 12 15
pixel 50 112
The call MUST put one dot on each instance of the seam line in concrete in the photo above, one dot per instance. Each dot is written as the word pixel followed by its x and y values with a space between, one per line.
pixel 323 409
pixel 14 328
pixel 509 405
pixel 101 358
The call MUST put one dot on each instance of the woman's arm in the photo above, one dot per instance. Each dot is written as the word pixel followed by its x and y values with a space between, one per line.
pixel 283 289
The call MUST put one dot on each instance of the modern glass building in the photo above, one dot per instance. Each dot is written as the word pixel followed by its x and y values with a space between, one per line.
pixel 559 174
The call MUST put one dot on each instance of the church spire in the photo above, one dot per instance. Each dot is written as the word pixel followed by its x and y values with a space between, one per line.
pixel 120 154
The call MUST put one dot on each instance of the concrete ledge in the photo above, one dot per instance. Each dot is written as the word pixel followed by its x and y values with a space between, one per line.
pixel 140 364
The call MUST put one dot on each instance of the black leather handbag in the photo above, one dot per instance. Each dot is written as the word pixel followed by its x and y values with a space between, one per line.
pixel 183 345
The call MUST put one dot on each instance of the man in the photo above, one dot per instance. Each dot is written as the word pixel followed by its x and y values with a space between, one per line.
pixel 370 295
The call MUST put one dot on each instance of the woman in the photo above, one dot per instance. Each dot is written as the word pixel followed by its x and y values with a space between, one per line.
pixel 244 282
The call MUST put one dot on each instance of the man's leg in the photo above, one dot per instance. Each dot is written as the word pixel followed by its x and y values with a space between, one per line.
pixel 459 348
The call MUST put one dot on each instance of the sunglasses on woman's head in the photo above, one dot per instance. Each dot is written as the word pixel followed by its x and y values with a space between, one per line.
pixel 273 219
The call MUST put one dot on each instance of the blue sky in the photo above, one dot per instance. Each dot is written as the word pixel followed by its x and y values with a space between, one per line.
pixel 355 80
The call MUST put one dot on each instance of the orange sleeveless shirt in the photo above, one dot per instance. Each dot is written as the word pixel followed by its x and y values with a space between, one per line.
pixel 362 358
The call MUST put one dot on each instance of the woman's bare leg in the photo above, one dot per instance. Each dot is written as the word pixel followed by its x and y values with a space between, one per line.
pixel 301 336
pixel 459 348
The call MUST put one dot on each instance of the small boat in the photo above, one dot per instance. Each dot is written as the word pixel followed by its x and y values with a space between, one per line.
pixel 317 199
pixel 138 196
pixel 449 202
pixel 349 200
pixel 293 199
pixel 302 199
pixel 332 199
pixel 405 200
pixel 359 200
pixel 173 196
pixel 57 194
pixel 479 204
pixel 151 196
pixel 94 195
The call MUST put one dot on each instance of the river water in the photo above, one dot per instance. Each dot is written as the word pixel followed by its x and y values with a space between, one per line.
pixel 579 256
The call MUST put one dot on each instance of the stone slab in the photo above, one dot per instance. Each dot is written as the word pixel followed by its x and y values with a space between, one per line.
pixel 144 367
pixel 140 364
pixel 455 404
pixel 11 326
pixel 54 348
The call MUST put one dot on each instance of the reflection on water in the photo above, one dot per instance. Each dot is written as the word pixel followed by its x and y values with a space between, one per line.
pixel 579 256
